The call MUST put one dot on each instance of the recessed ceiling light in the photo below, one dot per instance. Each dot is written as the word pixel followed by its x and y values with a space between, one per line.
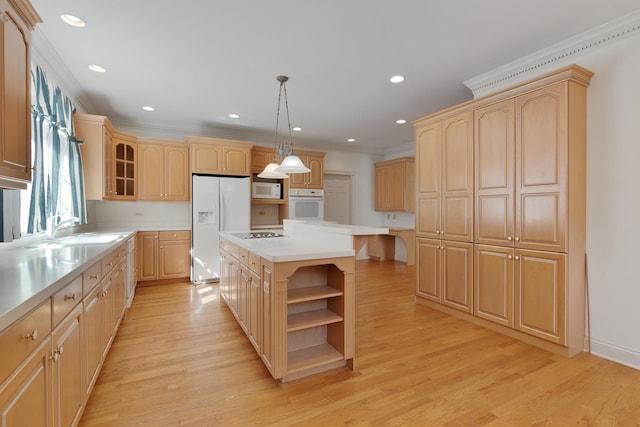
pixel 73 20
pixel 351 140
pixel 396 79
pixel 97 68
pixel 297 129
pixel 148 108
pixel 234 116
pixel 401 121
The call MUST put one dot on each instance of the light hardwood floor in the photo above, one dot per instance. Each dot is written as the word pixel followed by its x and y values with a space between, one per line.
pixel 181 359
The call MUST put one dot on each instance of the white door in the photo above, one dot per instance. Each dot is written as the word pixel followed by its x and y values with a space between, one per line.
pixel 337 198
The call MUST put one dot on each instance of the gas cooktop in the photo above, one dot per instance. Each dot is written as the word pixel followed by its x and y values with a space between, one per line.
pixel 257 235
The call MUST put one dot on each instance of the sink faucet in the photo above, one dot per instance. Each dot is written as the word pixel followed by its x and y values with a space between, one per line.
pixel 55 226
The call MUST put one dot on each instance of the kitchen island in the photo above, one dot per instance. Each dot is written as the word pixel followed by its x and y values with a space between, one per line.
pixel 294 295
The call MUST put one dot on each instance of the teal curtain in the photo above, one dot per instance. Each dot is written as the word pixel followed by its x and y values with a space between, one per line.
pixel 57 186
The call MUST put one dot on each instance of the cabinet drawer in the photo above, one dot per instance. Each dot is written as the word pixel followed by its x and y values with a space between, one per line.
pixel 91 277
pixel 65 299
pixel 175 235
pixel 108 262
pixel 230 248
pixel 254 263
pixel 21 338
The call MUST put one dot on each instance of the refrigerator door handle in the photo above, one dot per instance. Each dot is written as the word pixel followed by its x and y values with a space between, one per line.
pixel 221 212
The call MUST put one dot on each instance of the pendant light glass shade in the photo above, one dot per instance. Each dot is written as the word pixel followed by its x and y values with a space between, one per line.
pixel 292 164
pixel 283 148
pixel 270 172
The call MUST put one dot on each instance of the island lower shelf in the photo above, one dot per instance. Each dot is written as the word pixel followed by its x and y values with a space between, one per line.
pixel 298 315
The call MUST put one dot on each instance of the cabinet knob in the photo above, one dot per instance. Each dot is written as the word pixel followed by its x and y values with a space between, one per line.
pixel 109 264
pixel 70 297
pixel 93 277
pixel 517 257
pixel 517 239
pixel 32 336
pixel 509 238
pixel 509 257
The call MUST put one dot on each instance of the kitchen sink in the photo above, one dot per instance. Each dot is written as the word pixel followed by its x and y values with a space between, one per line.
pixel 84 239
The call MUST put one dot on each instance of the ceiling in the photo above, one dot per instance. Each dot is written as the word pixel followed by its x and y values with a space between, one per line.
pixel 197 61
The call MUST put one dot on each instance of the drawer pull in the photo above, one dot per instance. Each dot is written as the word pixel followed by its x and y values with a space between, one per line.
pixel 93 277
pixel 70 297
pixel 56 354
pixel 32 336
pixel 109 264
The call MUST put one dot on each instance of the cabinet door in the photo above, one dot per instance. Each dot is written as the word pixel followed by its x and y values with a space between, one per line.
pixel 541 169
pixel 457 178
pixel 176 173
pixel 315 178
pixel 299 180
pixel 429 155
pixel 15 138
pixel 234 285
pixel 382 188
pixel 92 333
pixel 151 172
pixel 493 284
pixel 255 311
pixel 147 255
pixel 428 269
pixel 540 294
pixel 109 318
pixel 457 275
pixel 267 348
pixel 243 299
pixel 68 392
pixel 206 158
pixel 495 173
pixel 124 169
pixel 236 160
pixel 174 257
pixel 260 159
pixel 25 398
pixel 396 187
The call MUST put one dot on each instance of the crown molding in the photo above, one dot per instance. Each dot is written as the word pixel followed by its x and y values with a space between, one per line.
pixel 559 54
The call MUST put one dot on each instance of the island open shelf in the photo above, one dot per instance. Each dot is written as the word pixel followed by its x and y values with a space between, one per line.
pixel 298 315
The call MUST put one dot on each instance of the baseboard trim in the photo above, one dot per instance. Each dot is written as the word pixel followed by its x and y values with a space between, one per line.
pixel 615 353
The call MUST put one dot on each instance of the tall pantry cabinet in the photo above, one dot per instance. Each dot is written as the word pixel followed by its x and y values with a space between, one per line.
pixel 527 207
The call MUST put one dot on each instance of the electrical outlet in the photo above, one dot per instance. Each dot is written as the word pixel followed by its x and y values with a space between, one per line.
pixel 138 214
pixel 388 216
pixel 262 213
pixel 394 216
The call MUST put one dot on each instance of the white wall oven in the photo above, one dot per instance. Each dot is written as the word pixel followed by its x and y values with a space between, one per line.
pixel 306 204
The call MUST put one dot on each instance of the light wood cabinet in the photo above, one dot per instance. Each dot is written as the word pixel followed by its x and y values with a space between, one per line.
pixel 529 215
pixel 395 185
pixel 314 160
pixel 445 273
pixel 163 169
pixel 444 150
pixel 163 255
pixel 260 158
pixel 124 166
pixel 18 19
pixel 25 397
pixel 298 315
pixel 381 247
pixel 214 156
pixel 68 392
pixel 97 153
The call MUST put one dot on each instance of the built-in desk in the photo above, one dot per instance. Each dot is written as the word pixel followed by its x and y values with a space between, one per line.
pixel 382 247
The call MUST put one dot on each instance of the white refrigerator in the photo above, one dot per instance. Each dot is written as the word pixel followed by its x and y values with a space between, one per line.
pixel 217 204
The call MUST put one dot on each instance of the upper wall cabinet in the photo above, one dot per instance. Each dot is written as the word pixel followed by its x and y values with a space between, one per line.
pixel 163 168
pixel 314 160
pixel 395 185
pixel 17 19
pixel 220 156
pixel 260 158
pixel 108 158
pixel 97 134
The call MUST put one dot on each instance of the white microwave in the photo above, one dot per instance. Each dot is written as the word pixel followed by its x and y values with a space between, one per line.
pixel 266 190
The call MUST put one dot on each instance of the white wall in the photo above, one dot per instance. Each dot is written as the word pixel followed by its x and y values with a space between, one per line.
pixel 613 199
pixel 141 215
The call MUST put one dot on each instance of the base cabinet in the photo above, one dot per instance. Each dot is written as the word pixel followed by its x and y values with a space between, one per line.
pixel 163 255
pixel 298 315
pixel 51 357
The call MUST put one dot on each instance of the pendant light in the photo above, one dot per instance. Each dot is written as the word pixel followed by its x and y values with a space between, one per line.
pixel 283 149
